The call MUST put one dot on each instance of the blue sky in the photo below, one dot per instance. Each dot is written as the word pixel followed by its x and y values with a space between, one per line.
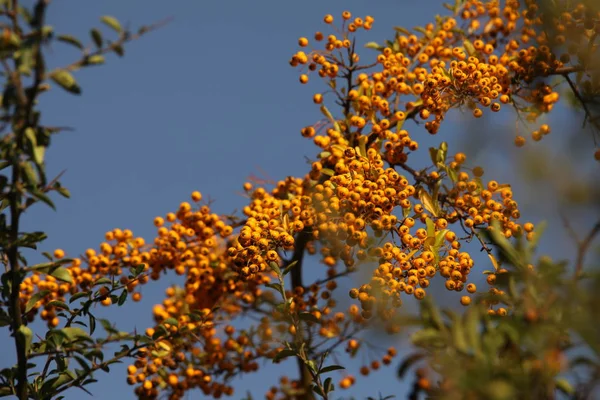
pixel 200 104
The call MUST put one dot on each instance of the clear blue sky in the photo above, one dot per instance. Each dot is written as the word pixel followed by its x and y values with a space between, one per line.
pixel 200 104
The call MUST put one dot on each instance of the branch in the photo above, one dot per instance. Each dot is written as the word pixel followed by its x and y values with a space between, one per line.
pixel 588 113
pixel 582 248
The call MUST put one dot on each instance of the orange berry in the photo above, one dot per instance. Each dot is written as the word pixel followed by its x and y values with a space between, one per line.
pixel 318 98
pixel 136 296
pixel 303 42
pixel 519 141
pixel 465 300
pixel 328 19
pixel 196 196
pixel 597 154
pixel 158 222
pixel 59 253
pixel 345 383
pixel 303 78
pixel 477 113
pixel 478 172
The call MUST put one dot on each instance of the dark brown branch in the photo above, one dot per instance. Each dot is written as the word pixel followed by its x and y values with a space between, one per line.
pixel 582 248
pixel 588 113
pixel 296 273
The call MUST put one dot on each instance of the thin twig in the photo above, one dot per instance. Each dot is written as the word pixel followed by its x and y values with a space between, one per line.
pixel 583 247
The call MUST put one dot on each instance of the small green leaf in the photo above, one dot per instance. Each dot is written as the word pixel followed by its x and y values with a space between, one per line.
pixel 59 304
pixel 64 79
pixel 78 295
pixel 122 298
pixel 373 45
pixel 275 286
pixel 433 154
pixel 328 386
pixel 469 47
pixel 34 299
pixel 275 268
pixel 62 274
pixel 97 59
pixel 171 321
pixel 283 354
pixel 430 204
pixel 160 331
pixel 289 267
pixel 25 335
pixel 70 40
pixel 330 368
pixel 102 281
pixel 96 37
pixel 118 49
pixel 112 22
pixel 75 333
pixel 64 192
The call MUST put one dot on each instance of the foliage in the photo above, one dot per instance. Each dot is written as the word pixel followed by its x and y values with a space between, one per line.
pixel 362 203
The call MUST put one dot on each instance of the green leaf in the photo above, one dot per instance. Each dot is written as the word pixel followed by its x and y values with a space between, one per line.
pixel 275 268
pixel 25 335
pixel 275 286
pixel 70 40
pixel 430 204
pixel 112 22
pixel 283 354
pixel 102 281
pixel 171 321
pixel 31 178
pixel 64 192
pixel 160 331
pixel 428 337
pixel 328 386
pixel 34 299
pixel 43 197
pixel 78 295
pixel 373 45
pixel 330 368
pixel 64 79
pixel 430 228
pixel 37 151
pixel 61 273
pixel 122 298
pixel 118 49
pixel 469 47
pixel 97 59
pixel 433 154
pixel 402 30
pixel 289 267
pixel 96 37
pixel 75 333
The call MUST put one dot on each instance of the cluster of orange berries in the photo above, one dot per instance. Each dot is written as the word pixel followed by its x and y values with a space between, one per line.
pixel 452 63
pixel 325 66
